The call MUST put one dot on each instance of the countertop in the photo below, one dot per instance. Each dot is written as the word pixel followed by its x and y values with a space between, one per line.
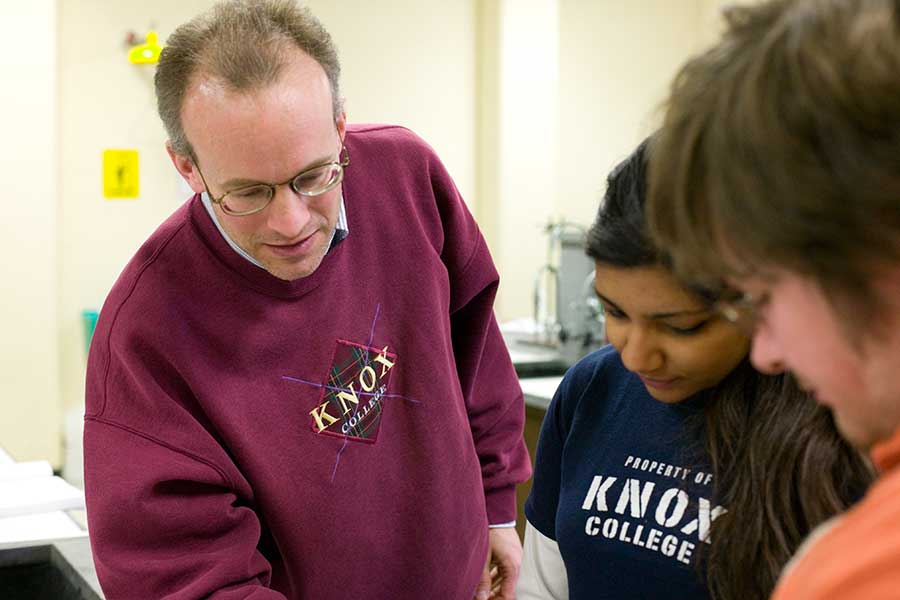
pixel 72 557
pixel 539 390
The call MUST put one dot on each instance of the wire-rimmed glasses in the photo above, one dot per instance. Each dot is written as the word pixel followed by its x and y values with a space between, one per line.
pixel 250 199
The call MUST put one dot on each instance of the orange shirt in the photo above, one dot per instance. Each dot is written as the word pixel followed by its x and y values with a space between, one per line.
pixel 855 556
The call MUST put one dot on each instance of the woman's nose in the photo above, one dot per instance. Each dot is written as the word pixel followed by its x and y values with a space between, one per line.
pixel 640 353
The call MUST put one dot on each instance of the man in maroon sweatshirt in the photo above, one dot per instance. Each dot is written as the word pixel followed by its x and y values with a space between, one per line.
pixel 297 387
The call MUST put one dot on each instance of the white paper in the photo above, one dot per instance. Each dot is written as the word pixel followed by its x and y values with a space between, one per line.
pixel 5 458
pixel 25 470
pixel 38 495
pixel 43 526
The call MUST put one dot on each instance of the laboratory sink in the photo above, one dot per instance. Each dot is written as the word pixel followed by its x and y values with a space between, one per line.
pixel 537 362
pixel 43 572
pixel 535 359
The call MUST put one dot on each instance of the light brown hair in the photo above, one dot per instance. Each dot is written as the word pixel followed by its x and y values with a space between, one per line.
pixel 781 148
pixel 241 42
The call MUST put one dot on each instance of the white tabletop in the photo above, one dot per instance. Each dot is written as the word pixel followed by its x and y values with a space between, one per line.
pixel 539 390
pixel 34 502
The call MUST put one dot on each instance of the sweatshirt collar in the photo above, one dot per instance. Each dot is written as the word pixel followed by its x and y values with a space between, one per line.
pixel 886 454
pixel 340 231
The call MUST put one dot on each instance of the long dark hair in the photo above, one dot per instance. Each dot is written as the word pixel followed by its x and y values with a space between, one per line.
pixel 778 462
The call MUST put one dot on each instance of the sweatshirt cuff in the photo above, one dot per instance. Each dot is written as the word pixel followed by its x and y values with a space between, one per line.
pixel 501 504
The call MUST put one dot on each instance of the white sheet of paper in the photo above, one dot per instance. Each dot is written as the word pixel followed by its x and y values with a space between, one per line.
pixel 38 495
pixel 42 526
pixel 25 470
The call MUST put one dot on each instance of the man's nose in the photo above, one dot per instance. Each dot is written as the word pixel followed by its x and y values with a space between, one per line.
pixel 288 212
pixel 765 352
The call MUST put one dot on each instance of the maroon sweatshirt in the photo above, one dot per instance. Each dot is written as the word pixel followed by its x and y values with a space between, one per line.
pixel 349 434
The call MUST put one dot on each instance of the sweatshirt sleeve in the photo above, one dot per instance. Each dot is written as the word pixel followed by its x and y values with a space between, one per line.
pixel 170 515
pixel 165 524
pixel 494 400
pixel 490 386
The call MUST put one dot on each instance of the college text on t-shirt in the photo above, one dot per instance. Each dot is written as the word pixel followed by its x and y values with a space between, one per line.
pixel 666 519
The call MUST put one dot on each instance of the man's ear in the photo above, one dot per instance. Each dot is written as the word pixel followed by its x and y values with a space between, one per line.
pixel 341 124
pixel 187 168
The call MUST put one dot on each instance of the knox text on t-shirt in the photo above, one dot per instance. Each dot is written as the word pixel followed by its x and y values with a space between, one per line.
pixel 668 517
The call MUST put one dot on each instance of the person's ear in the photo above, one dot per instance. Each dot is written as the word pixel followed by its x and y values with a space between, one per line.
pixel 341 124
pixel 186 167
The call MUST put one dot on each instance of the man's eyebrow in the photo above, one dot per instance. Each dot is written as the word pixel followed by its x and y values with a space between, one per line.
pixel 240 182
pixel 655 316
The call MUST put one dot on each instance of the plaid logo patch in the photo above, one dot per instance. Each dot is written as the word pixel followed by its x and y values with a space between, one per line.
pixel 352 399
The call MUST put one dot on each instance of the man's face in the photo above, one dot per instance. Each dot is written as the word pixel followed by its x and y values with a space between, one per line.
pixel 799 330
pixel 268 136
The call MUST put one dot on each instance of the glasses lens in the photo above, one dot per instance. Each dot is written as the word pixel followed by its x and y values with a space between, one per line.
pixel 318 180
pixel 247 200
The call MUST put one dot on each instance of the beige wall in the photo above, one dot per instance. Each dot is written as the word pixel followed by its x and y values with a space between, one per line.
pixel 411 62
pixel 30 413
pixel 616 62
pixel 529 102
pixel 519 126
pixel 711 22
pixel 566 124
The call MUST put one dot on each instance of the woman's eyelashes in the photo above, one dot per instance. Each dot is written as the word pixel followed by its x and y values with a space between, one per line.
pixel 619 315
pixel 612 311
pixel 685 331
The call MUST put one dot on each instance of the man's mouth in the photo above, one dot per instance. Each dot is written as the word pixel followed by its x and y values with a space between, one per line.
pixel 293 249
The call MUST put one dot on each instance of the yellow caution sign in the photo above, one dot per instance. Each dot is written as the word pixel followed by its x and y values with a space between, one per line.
pixel 148 52
pixel 120 174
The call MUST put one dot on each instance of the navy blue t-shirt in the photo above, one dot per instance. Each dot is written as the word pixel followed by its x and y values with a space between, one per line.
pixel 622 483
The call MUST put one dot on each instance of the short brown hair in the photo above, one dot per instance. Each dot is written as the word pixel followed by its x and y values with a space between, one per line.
pixel 242 42
pixel 781 147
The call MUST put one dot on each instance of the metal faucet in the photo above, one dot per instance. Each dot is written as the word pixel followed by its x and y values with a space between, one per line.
pixel 575 323
pixel 550 329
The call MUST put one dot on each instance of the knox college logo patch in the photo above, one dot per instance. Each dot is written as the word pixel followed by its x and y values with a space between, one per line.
pixel 351 402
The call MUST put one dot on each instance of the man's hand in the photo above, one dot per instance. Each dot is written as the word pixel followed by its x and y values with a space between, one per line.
pixel 501 570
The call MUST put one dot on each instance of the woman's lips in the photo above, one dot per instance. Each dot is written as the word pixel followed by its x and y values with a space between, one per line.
pixel 659 384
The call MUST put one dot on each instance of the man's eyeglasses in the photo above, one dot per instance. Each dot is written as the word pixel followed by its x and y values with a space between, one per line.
pixel 253 198
pixel 743 310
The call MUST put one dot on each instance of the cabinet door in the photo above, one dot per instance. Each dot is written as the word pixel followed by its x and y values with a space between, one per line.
pixel 533 419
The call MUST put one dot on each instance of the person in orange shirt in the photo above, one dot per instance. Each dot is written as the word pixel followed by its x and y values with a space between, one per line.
pixel 778 168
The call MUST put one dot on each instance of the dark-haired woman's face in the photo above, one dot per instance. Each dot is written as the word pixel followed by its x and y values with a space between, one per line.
pixel 672 340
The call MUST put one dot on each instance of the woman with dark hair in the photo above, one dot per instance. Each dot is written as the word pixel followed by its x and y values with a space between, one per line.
pixel 667 467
